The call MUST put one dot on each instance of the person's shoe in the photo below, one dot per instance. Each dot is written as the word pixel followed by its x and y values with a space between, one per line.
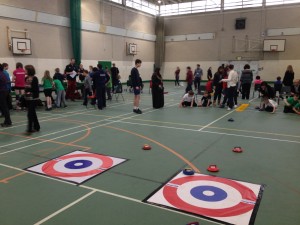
pixel 228 108
pixel 65 106
pixel 138 111
pixel 5 125
pixel 235 106
pixel 222 106
pixel 261 110
pixel 73 100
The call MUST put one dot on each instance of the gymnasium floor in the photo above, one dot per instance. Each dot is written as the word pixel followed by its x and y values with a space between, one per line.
pixel 179 138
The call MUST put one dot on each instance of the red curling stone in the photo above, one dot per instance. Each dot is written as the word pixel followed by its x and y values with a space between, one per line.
pixel 213 168
pixel 237 149
pixel 146 147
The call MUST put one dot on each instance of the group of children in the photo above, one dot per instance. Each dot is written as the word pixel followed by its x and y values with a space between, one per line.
pixel 266 93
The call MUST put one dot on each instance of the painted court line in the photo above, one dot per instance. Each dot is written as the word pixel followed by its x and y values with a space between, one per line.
pixel 65 208
pixel 106 193
pixel 71 128
pixel 202 128
pixel 66 135
pixel 212 132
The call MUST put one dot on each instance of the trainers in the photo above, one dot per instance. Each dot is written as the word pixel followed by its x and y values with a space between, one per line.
pixel 137 111
pixel 5 125
pixel 228 108
pixel 235 106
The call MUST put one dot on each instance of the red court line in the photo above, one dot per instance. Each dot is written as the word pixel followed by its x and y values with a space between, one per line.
pixel 161 145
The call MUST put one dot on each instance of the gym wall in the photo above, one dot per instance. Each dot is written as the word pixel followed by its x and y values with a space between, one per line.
pixel 220 49
pixel 106 30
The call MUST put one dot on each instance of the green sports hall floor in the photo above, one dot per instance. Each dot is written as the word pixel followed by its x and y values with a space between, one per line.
pixel 202 136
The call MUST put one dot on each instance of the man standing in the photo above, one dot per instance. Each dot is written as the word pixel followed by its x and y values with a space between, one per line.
pixel 71 72
pixel 100 79
pixel 5 71
pixel 246 80
pixel 197 78
pixel 232 81
pixel 189 79
pixel 136 84
pixel 3 99
pixel 114 72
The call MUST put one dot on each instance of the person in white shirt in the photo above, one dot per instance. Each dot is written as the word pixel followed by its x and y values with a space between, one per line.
pixel 188 100
pixel 232 81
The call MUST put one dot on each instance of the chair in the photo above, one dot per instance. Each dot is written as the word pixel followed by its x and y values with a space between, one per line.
pixel 118 91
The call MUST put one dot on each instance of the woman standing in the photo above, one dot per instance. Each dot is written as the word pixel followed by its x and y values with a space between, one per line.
pixel 217 85
pixel 47 83
pixel 19 80
pixel 209 74
pixel 288 78
pixel 157 89
pixel 31 96
pixel 177 72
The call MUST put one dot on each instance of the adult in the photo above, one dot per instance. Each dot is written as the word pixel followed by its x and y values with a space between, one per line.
pixel 100 79
pixel 177 73
pixel 136 85
pixel 71 72
pixel 3 99
pixel 19 80
pixel 198 77
pixel 295 89
pixel 9 99
pixel 189 79
pixel 288 78
pixel 232 81
pixel 217 85
pixel 157 89
pixel 31 97
pixel 114 72
pixel 47 83
pixel 246 80
pixel 209 74
pixel 80 72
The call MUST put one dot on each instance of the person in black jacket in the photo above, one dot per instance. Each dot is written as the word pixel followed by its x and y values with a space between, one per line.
pixel 246 80
pixel 295 89
pixel 100 78
pixel 3 99
pixel 157 89
pixel 217 85
pixel 31 97
pixel 288 78
pixel 136 85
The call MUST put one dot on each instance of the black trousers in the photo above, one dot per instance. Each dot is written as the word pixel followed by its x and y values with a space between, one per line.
pixel 231 95
pixel 188 88
pixel 32 117
pixel 218 93
pixel 288 109
pixel 246 91
pixel 177 81
pixel 197 83
pixel 4 107
pixel 100 95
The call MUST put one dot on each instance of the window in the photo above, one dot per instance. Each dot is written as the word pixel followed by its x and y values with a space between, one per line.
pixel 235 4
pixel 281 2
pixel 117 1
pixel 143 6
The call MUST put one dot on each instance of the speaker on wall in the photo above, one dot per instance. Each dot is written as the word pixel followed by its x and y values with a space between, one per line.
pixel 240 23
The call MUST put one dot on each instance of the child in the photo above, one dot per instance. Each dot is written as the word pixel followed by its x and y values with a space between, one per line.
pixel 257 80
pixel 208 86
pixel 269 105
pixel 87 83
pixel 205 100
pixel 47 83
pixel 278 86
pixel 108 85
pixel 291 103
pixel 188 100
pixel 60 93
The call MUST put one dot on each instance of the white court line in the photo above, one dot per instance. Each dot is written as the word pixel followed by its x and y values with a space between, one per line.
pixel 55 115
pixel 71 128
pixel 213 132
pixel 65 208
pixel 202 128
pixel 101 125
pixel 106 193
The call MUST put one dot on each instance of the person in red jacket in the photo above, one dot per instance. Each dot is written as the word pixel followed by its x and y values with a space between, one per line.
pixel 189 79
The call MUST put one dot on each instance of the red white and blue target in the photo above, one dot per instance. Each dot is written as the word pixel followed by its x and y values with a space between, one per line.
pixel 77 166
pixel 213 197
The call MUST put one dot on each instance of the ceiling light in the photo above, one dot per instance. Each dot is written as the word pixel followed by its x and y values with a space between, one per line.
pixel 159 1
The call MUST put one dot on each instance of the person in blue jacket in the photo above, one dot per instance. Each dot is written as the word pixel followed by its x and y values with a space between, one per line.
pixel 100 78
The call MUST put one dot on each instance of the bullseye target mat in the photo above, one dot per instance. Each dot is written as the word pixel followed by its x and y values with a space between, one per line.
pixel 219 199
pixel 76 167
